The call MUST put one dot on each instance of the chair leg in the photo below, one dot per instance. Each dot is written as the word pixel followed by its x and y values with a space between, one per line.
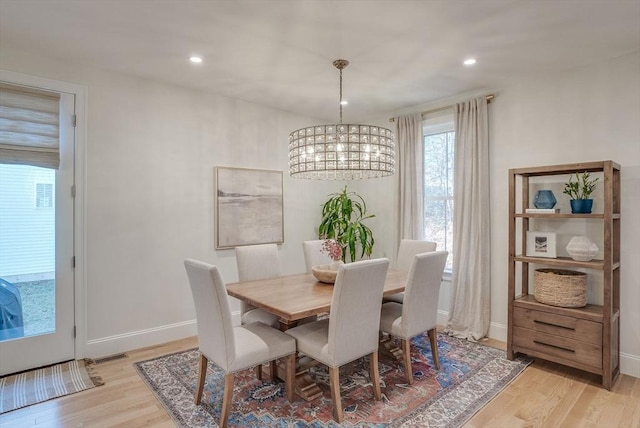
pixel 202 374
pixel 334 377
pixel 406 355
pixel 227 399
pixel 434 347
pixel 290 368
pixel 375 375
pixel 259 371
pixel 273 370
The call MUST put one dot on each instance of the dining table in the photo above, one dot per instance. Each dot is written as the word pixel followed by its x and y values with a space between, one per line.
pixel 296 297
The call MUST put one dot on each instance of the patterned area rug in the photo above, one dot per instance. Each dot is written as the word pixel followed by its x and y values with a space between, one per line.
pixel 34 386
pixel 470 375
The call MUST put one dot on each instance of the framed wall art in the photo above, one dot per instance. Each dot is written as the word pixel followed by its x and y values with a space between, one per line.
pixel 249 207
pixel 541 244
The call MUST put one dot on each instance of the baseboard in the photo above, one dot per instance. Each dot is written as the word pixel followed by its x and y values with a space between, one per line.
pixel 498 331
pixel 630 365
pixel 443 317
pixel 139 339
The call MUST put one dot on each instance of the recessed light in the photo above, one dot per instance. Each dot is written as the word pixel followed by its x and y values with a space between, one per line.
pixel 344 102
pixel 469 61
pixel 195 59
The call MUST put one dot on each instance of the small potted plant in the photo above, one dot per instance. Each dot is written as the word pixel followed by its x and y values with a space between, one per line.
pixel 343 215
pixel 580 191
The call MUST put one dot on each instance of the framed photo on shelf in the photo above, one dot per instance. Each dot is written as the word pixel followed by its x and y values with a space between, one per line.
pixel 541 244
pixel 249 207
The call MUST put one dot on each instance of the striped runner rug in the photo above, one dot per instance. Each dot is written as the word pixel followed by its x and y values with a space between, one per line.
pixel 35 386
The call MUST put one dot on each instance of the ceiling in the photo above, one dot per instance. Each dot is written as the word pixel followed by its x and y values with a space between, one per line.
pixel 279 52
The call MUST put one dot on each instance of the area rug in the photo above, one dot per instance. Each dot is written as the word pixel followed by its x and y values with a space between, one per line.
pixel 470 375
pixel 34 386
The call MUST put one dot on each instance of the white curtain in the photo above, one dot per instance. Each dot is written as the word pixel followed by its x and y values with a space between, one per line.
pixel 470 309
pixel 409 170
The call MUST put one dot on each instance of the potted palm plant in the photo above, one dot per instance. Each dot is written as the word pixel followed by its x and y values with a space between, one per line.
pixel 343 215
pixel 580 191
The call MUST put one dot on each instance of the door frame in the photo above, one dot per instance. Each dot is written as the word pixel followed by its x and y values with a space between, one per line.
pixel 79 208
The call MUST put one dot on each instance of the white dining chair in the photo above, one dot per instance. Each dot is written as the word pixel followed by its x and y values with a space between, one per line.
pixel 257 262
pixel 313 254
pixel 419 312
pixel 231 348
pixel 406 250
pixel 351 331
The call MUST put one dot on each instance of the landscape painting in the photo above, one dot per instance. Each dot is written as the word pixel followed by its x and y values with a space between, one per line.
pixel 249 207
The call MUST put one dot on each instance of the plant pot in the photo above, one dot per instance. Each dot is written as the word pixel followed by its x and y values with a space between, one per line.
pixel 581 206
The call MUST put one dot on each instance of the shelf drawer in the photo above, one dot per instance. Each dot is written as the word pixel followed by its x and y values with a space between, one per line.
pixel 559 325
pixel 560 347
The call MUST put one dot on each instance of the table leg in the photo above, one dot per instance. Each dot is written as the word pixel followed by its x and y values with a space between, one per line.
pixel 305 385
pixel 390 349
pixel 286 324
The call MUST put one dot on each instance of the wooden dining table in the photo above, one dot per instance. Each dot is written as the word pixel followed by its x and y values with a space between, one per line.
pixel 295 297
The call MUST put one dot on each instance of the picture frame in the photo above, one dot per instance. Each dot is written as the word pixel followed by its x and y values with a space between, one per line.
pixel 249 207
pixel 541 244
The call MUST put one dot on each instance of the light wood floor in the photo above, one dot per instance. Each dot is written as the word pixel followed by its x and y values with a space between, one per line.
pixel 545 395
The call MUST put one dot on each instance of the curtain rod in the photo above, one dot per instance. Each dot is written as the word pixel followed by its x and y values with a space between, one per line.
pixel 435 110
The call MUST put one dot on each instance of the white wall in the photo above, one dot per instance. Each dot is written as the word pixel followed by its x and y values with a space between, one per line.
pixel 586 114
pixel 150 158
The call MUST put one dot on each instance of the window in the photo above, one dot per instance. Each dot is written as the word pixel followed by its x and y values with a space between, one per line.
pixel 44 195
pixel 439 142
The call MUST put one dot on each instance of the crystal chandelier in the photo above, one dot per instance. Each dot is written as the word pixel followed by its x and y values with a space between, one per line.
pixel 341 151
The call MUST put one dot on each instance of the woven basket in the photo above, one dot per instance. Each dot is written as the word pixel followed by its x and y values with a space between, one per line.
pixel 558 287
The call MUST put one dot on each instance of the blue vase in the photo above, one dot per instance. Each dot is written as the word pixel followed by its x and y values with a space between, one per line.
pixel 581 206
pixel 544 199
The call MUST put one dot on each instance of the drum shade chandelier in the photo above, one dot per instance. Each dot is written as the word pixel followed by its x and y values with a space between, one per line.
pixel 341 151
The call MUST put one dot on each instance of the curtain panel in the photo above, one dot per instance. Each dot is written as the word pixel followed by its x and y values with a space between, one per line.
pixel 409 171
pixel 29 126
pixel 470 310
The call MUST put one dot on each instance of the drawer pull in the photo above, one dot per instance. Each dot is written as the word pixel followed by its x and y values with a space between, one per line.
pixel 554 325
pixel 554 346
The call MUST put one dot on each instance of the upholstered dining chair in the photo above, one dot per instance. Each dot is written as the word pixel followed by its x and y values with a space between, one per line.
pixel 313 254
pixel 351 331
pixel 231 348
pixel 419 312
pixel 257 262
pixel 406 250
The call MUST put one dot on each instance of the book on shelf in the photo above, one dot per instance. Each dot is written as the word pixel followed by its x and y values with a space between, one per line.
pixel 542 210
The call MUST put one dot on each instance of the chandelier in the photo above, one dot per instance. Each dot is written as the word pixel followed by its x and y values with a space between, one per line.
pixel 341 151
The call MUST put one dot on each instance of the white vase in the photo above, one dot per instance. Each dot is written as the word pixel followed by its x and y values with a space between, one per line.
pixel 581 248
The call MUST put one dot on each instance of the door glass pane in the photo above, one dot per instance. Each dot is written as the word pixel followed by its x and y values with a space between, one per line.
pixel 27 251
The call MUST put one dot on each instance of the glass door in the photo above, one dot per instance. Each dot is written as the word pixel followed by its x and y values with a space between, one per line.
pixel 36 258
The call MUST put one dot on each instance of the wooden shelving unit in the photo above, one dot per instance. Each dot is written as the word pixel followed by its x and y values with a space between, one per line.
pixel 585 338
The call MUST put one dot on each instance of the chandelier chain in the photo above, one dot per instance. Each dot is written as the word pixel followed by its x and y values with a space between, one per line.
pixel 341 96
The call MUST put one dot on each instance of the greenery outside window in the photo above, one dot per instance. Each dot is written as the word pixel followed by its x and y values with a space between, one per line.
pixel 439 143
